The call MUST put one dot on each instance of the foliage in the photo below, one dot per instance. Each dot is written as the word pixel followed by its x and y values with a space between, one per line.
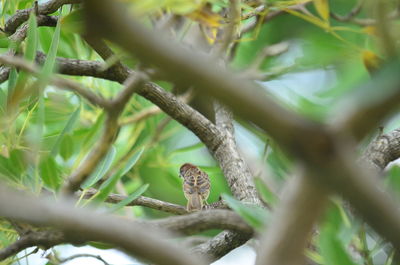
pixel 46 133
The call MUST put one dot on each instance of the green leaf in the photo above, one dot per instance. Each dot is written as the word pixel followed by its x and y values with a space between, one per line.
pixel 189 148
pixel 12 81
pixel 254 215
pixel 49 173
pixel 94 130
pixel 331 244
pixel 5 7
pixel 67 147
pixel 332 251
pixel 6 170
pixel 48 66
pixel 32 39
pixel 132 161
pixel 101 169
pixel 3 102
pixel 266 194
pixel 107 187
pixel 110 183
pixel 100 245
pixel 68 127
pixel 17 161
pixel 393 180
pixel 130 198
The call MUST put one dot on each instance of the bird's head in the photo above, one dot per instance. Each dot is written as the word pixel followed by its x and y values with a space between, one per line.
pixel 184 168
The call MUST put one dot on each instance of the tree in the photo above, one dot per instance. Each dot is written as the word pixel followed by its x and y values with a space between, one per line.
pixel 96 96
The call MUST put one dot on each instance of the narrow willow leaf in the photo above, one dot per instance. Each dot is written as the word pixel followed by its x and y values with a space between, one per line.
pixel 5 7
pixel 110 183
pixel 67 147
pixel 48 66
pixel 332 251
pixel 107 187
pixel 255 216
pixel 49 173
pixel 322 7
pixel 12 80
pixel 32 39
pixel 101 169
pixel 189 148
pixel 68 127
pixel 266 194
pixel 130 198
pixel 132 161
pixel 6 170
pixel 100 245
pixel 3 102
pixel 17 161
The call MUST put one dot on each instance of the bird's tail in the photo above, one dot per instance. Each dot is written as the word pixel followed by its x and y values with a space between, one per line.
pixel 195 202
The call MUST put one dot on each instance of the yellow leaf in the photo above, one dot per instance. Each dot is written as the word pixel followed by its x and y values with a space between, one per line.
pixel 206 17
pixel 210 34
pixel 371 61
pixel 182 7
pixel 322 7
pixel 370 30
pixel 310 18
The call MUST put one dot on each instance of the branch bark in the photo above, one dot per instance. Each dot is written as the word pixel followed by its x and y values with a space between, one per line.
pixel 83 225
pixel 45 239
pixel 46 8
pixel 288 233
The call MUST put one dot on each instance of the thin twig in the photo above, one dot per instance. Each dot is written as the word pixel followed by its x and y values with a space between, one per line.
pixel 57 81
pixel 46 8
pixel 76 256
pixel 79 175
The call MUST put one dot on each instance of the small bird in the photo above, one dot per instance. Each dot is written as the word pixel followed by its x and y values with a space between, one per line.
pixel 196 186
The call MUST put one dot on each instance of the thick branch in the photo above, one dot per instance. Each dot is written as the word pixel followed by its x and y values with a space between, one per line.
pixel 177 62
pixel 20 34
pixel 187 224
pixel 204 220
pixel 83 225
pixel 371 105
pixel 221 244
pixel 45 239
pixel 291 226
pixel 44 9
pixel 101 148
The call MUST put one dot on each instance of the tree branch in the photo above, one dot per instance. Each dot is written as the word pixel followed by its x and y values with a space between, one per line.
pixel 371 103
pixel 288 232
pixel 140 201
pixel 20 34
pixel 83 225
pixel 45 239
pixel 57 81
pixel 73 182
pixel 382 150
pixel 187 224
pixel 203 220
pixel 76 256
pixel 46 8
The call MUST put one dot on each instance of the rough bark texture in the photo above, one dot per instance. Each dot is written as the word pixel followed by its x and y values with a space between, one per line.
pixel 235 169
pixel 383 150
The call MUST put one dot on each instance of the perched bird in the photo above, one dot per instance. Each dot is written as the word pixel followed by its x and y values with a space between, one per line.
pixel 196 186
